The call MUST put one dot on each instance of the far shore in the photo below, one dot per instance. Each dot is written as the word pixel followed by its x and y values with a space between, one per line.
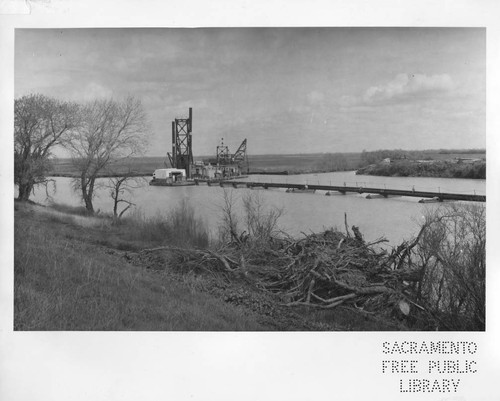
pixel 366 163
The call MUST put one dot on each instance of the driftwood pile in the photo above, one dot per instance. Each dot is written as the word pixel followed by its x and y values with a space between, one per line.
pixel 321 270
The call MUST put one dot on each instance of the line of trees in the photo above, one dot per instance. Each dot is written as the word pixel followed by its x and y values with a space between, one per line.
pixel 372 157
pixel 97 134
pixel 438 168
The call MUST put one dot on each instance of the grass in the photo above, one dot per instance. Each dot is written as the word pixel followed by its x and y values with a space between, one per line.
pixel 73 210
pixel 349 321
pixel 63 283
pixel 77 272
pixel 181 227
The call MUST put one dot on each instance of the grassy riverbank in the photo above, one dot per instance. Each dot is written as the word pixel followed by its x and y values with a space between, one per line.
pixel 70 274
pixel 74 271
pixel 78 272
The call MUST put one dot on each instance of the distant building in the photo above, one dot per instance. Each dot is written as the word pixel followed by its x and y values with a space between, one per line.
pixel 168 176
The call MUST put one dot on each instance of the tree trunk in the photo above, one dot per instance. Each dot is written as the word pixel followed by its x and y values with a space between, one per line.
pixel 87 192
pixel 88 203
pixel 115 194
pixel 25 190
pixel 115 209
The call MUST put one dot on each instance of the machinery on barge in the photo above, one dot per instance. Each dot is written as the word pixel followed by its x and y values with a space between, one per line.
pixel 183 170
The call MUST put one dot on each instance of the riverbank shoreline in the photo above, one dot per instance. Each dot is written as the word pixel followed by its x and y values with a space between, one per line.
pixel 139 287
pixel 130 274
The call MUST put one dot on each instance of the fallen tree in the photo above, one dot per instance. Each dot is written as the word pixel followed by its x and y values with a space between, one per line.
pixel 333 268
pixel 320 270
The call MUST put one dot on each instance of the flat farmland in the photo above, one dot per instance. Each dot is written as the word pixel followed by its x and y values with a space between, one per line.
pixel 257 163
pixel 296 163
pixel 299 163
pixel 137 165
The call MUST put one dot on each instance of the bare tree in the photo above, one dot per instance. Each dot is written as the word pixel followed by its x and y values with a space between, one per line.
pixel 452 253
pixel 40 123
pixel 109 131
pixel 261 220
pixel 120 187
pixel 228 230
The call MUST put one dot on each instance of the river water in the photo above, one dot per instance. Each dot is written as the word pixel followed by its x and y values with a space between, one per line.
pixel 395 218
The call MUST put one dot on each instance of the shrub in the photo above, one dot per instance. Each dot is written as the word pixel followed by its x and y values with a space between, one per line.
pixel 452 253
pixel 180 227
pixel 260 220
pixel 229 227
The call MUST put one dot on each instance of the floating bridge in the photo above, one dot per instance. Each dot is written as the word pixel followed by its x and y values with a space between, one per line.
pixel 437 196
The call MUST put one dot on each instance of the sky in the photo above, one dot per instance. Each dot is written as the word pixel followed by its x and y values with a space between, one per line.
pixel 287 90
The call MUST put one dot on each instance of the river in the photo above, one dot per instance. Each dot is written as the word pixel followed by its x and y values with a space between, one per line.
pixel 395 218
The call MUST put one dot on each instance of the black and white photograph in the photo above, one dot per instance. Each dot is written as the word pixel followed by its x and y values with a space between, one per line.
pixel 208 200
pixel 250 179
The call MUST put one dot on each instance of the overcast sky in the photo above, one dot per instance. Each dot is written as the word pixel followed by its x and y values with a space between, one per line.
pixel 288 90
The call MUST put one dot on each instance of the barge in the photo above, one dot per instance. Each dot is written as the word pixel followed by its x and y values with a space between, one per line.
pixel 170 177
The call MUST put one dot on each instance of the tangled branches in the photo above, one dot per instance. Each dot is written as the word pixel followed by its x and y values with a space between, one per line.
pixel 320 270
pixel 435 279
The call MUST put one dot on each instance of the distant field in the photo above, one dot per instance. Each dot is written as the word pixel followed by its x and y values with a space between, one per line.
pixel 294 163
pixel 146 165
pixel 298 163
pixel 315 162
pixel 139 165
